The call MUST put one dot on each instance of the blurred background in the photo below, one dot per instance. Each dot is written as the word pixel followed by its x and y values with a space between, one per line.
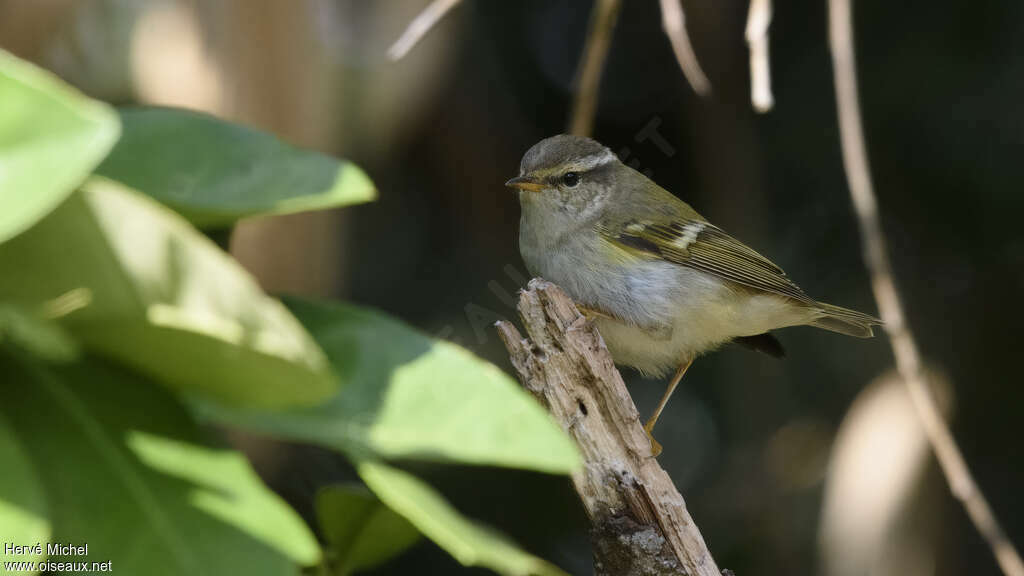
pixel 809 465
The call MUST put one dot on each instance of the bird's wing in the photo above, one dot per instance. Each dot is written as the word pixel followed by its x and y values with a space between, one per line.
pixel 700 245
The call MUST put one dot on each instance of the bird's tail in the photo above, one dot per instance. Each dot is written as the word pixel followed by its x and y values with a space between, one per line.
pixel 845 321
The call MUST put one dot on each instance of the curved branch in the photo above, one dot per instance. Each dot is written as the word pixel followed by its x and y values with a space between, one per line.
pixel 673 20
pixel 595 50
pixel 908 358
pixel 419 27
pixel 758 19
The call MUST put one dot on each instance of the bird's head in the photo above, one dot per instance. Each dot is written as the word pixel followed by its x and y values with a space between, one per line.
pixel 566 173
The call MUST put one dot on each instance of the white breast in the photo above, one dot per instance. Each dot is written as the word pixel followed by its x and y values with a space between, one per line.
pixel 705 313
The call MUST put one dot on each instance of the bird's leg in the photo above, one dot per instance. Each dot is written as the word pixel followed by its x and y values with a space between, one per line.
pixel 593 313
pixel 649 426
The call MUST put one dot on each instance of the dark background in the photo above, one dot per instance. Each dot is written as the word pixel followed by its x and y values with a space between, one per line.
pixel 747 438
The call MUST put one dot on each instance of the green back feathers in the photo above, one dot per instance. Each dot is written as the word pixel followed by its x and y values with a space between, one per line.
pixel 702 246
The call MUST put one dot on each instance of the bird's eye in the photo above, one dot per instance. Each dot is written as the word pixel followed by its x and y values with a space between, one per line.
pixel 570 179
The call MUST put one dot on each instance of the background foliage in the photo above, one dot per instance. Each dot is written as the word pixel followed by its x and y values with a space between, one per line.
pixel 124 325
pixel 749 440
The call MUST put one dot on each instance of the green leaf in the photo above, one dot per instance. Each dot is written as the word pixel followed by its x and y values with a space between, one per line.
pixel 24 514
pixel 126 471
pixel 36 334
pixel 409 396
pixel 51 137
pixel 214 172
pixel 159 296
pixel 360 530
pixel 468 542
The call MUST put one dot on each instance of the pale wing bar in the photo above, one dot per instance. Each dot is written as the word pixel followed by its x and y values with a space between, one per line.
pixel 705 247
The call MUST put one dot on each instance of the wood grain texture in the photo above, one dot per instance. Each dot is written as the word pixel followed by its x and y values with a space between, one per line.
pixel 640 524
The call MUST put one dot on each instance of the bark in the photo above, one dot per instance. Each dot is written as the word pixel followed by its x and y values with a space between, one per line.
pixel 640 524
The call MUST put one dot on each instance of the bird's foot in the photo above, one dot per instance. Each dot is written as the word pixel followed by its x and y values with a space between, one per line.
pixel 655 445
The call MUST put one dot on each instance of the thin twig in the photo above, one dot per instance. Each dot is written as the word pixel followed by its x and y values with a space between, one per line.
pixel 595 49
pixel 674 21
pixel 758 19
pixel 420 25
pixel 908 359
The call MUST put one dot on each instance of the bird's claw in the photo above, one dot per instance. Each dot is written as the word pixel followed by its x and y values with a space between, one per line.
pixel 655 445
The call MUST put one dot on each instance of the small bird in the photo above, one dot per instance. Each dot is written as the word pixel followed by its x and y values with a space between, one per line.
pixel 661 283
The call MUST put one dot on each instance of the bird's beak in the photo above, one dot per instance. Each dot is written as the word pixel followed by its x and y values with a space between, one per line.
pixel 525 183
